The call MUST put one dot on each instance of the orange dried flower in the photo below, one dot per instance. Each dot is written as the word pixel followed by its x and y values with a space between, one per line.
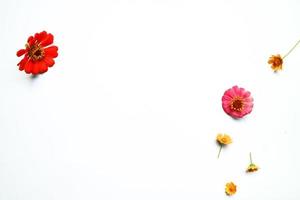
pixel 223 139
pixel 276 62
pixel 230 188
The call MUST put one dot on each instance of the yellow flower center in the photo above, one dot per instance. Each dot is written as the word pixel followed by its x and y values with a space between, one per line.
pixel 237 104
pixel 36 52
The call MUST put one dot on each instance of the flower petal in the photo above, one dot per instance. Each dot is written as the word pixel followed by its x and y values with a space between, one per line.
pixel 246 94
pixel 43 68
pixel 226 97
pixel 238 91
pixel 227 109
pixel 30 40
pixel 51 51
pixel 21 52
pixel 22 63
pixel 40 36
pixel 232 93
pixel 36 68
pixel 48 40
pixel 49 61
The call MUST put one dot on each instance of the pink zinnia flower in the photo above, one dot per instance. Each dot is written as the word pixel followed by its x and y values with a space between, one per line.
pixel 237 102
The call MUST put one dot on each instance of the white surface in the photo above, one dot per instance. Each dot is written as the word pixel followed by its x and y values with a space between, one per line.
pixel 132 107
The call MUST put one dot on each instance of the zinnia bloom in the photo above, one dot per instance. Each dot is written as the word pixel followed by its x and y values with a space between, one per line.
pixel 237 102
pixel 230 188
pixel 223 139
pixel 38 55
pixel 276 62
pixel 252 167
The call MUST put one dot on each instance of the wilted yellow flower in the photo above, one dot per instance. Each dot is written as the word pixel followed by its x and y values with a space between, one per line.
pixel 276 62
pixel 223 139
pixel 230 188
pixel 252 167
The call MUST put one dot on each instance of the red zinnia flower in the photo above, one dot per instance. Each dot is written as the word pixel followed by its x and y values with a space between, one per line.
pixel 237 102
pixel 38 54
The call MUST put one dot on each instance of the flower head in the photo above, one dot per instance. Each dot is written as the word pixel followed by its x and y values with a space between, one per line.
pixel 276 62
pixel 38 55
pixel 230 188
pixel 237 102
pixel 252 167
pixel 223 139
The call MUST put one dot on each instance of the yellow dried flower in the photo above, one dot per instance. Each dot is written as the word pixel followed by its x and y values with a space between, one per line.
pixel 230 188
pixel 252 167
pixel 223 139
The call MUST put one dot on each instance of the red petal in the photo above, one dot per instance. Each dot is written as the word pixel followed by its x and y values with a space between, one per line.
pixel 51 51
pixel 28 67
pixel 21 52
pixel 30 40
pixel 48 40
pixel 36 68
pixel 49 61
pixel 43 68
pixel 40 36
pixel 22 63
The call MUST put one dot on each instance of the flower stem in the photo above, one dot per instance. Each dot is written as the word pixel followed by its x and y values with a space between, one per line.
pixel 220 150
pixel 290 51
pixel 251 158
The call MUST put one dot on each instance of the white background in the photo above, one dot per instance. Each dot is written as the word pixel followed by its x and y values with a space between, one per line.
pixel 132 106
